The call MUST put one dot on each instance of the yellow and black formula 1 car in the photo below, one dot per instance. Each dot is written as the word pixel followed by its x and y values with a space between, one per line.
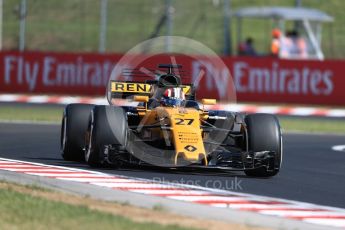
pixel 169 128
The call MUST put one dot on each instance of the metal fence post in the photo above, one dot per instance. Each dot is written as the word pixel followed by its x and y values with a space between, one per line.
pixel 169 25
pixel 22 18
pixel 103 26
pixel 298 4
pixel 1 18
pixel 227 29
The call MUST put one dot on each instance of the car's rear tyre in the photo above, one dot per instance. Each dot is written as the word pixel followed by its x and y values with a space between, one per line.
pixel 264 134
pixel 73 127
pixel 107 126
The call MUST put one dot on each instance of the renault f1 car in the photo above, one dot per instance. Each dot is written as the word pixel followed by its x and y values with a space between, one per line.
pixel 169 128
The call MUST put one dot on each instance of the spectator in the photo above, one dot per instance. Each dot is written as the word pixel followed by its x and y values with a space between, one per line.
pixel 298 47
pixel 247 48
pixel 275 43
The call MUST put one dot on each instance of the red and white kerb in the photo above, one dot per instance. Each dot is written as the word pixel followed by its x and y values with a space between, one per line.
pixel 311 213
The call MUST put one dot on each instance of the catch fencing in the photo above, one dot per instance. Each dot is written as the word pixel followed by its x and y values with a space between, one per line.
pixel 118 25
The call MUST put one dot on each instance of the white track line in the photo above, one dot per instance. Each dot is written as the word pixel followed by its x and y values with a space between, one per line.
pixel 326 221
pixel 210 198
pixel 340 148
pixel 93 180
pixel 172 192
pixel 301 214
pixel 122 185
pixel 37 170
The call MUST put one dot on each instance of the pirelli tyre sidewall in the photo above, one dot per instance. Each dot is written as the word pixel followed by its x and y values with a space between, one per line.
pixel 264 134
pixel 73 127
pixel 107 126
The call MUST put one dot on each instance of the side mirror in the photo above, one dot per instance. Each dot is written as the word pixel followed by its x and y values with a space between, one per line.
pixel 141 98
pixel 208 101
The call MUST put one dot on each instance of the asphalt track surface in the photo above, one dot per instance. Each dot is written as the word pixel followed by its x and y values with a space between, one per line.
pixel 312 171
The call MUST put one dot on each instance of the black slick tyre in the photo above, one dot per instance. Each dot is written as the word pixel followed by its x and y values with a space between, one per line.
pixel 73 127
pixel 264 134
pixel 107 126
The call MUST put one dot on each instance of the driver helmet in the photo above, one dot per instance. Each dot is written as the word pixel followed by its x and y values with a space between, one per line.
pixel 173 97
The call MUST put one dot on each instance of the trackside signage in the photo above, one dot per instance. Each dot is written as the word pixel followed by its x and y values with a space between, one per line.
pixel 34 72
pixel 256 79
pixel 288 81
pixel 279 80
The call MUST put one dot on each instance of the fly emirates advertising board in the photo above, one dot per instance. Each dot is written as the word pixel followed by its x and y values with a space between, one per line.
pixel 261 79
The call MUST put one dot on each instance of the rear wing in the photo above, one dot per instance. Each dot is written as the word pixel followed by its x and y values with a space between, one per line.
pixel 125 89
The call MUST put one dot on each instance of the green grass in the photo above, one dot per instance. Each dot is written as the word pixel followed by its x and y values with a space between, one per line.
pixel 54 114
pixel 73 25
pixel 313 125
pixel 31 113
pixel 22 211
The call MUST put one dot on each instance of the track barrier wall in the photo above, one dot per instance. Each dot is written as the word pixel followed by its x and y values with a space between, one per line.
pixel 260 79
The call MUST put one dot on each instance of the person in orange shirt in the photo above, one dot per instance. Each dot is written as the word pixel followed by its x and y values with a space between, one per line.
pixel 275 44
